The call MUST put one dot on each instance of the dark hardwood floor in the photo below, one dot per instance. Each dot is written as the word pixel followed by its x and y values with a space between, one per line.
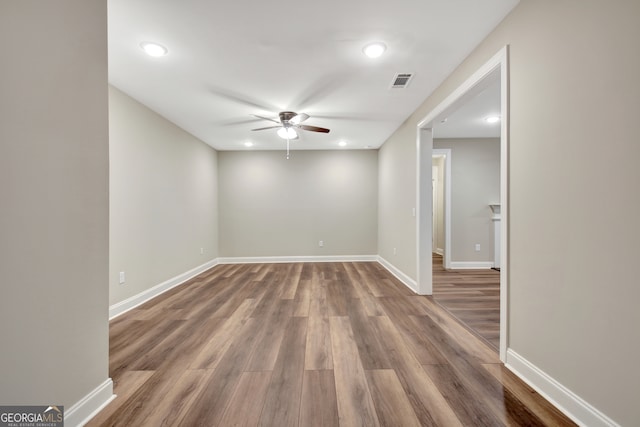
pixel 472 296
pixel 323 344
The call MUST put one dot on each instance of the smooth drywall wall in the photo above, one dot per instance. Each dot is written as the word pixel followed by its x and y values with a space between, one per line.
pixel 271 206
pixel 163 199
pixel 54 201
pixel 573 224
pixel 475 184
pixel 397 200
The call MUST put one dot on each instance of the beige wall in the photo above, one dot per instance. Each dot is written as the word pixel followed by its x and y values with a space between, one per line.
pixel 54 201
pixel 573 229
pixel 397 200
pixel 475 183
pixel 163 199
pixel 270 206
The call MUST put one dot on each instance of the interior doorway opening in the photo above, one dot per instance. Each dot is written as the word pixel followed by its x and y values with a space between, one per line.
pixel 498 65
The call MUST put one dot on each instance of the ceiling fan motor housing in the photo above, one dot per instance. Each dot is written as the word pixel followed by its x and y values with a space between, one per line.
pixel 285 116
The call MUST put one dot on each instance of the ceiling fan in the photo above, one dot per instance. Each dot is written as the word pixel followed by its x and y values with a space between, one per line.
pixel 289 123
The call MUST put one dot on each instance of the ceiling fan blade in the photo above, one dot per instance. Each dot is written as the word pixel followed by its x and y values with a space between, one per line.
pixel 268 127
pixel 298 118
pixel 266 118
pixel 313 128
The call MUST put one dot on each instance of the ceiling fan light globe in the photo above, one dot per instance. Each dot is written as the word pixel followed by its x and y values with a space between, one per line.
pixel 287 133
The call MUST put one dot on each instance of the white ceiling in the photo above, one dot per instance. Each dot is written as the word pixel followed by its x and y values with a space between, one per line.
pixel 230 60
pixel 468 121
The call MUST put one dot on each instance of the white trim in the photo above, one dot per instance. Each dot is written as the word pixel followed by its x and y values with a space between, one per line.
pixel 468 87
pixel 288 259
pixel 406 280
pixel 561 397
pixel 424 214
pixel 121 307
pixel 472 86
pixel 471 265
pixel 439 251
pixel 87 407
pixel 503 59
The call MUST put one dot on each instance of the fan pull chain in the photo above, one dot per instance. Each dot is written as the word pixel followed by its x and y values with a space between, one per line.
pixel 287 148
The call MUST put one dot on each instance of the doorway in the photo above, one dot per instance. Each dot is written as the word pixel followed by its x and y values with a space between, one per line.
pixel 495 67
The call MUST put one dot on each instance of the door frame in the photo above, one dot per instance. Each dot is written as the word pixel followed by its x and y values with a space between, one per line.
pixel 499 63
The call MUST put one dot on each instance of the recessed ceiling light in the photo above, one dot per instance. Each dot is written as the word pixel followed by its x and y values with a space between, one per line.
pixel 154 49
pixel 342 143
pixel 248 144
pixel 492 119
pixel 375 49
pixel 287 133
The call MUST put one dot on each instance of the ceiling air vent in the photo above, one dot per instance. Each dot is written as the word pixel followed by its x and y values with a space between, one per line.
pixel 401 80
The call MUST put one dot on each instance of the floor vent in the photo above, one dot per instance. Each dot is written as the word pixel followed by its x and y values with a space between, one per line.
pixel 401 80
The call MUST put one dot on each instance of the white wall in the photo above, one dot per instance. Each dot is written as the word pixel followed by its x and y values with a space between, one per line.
pixel 163 206
pixel 573 229
pixel 475 184
pixel 53 201
pixel 270 206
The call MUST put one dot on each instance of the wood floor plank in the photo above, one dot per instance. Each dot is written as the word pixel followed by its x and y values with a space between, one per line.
pixel 474 345
pixel 318 353
pixel 470 409
pixel 282 404
pixel 302 298
pixel 210 404
pixel 181 394
pixel 392 404
pixel 362 292
pixel 292 280
pixel 336 297
pixel 318 306
pixel 355 404
pixel 427 352
pixel 242 411
pixel 429 405
pixel 220 341
pixel 269 337
pixel 372 352
pixel 319 405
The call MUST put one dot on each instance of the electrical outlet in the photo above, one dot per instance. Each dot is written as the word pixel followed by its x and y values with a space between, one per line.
pixel 477 247
pixel 122 277
pixel 395 251
pixel 321 243
pixel 201 251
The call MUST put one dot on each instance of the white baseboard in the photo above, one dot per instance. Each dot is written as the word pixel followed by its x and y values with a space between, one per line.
pixel 85 409
pixel 123 306
pixel 471 265
pixel 406 280
pixel 288 259
pixel 439 251
pixel 564 399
